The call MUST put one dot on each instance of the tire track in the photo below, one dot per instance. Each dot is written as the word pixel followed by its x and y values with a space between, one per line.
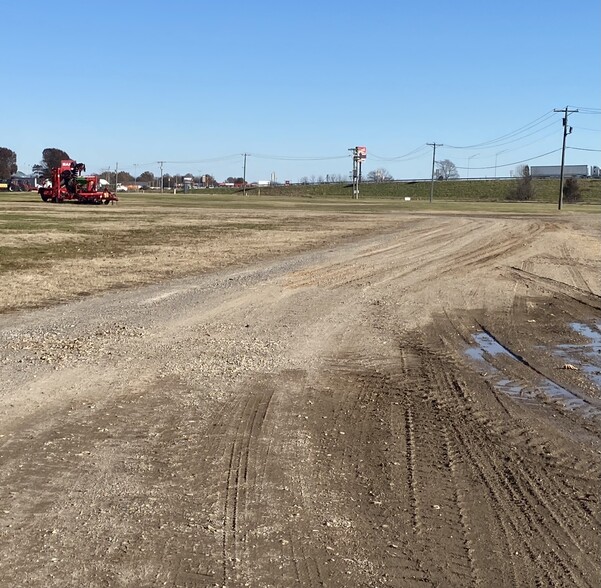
pixel 522 512
pixel 240 482
pixel 584 297
pixel 576 274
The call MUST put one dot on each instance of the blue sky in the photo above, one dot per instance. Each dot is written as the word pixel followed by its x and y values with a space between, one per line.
pixel 296 84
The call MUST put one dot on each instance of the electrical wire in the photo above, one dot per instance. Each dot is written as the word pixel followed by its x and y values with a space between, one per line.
pixel 296 158
pixel 400 157
pixel 504 139
pixel 587 129
pixel 583 149
pixel 513 163
pixel 586 110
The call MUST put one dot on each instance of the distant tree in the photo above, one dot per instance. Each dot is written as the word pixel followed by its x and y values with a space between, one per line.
pixel 379 175
pixel 124 177
pixel 51 158
pixel 304 180
pixel 8 162
pixel 146 177
pixel 518 172
pixel 571 191
pixel 446 170
pixel 523 189
pixel 206 180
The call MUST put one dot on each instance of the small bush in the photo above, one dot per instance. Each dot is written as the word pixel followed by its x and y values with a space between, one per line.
pixel 571 191
pixel 523 189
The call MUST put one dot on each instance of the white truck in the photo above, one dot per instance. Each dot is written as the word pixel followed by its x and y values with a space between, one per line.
pixel 569 171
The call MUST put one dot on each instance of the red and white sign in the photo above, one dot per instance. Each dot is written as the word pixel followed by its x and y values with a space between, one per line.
pixel 361 152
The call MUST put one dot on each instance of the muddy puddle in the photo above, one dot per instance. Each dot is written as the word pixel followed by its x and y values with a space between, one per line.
pixel 585 357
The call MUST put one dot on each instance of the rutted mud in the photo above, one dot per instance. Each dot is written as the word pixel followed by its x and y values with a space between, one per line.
pixel 316 421
pixel 487 348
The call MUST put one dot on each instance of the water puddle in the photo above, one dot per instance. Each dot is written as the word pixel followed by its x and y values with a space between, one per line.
pixel 485 344
pixel 587 356
pixel 487 348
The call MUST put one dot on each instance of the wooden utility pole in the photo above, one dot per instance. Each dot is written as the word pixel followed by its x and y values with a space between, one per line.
pixel 433 145
pixel 355 176
pixel 244 175
pixel 566 131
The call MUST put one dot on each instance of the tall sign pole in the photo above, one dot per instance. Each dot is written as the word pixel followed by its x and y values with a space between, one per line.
pixel 566 131
pixel 359 156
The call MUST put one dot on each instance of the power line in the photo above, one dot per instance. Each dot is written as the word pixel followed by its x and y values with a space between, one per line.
pixel 514 162
pixel 296 158
pixel 583 149
pixel 585 109
pixel 399 157
pixel 495 142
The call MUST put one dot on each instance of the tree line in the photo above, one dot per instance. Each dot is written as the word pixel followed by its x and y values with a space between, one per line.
pixel 522 189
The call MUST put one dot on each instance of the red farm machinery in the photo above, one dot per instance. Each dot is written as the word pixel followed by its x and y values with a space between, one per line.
pixel 68 182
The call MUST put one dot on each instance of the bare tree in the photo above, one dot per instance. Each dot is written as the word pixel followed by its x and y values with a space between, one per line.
pixel 523 189
pixel 379 175
pixel 446 170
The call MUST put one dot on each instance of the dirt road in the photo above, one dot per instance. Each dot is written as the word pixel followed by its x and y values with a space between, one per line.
pixel 421 406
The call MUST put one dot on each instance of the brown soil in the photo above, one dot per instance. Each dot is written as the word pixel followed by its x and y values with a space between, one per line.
pixel 322 418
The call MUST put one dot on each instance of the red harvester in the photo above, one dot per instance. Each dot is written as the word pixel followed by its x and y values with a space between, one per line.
pixel 69 183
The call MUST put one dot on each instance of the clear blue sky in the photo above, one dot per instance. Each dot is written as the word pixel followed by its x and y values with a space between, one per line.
pixel 201 82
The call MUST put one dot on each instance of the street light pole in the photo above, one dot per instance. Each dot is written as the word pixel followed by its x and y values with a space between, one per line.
pixel 497 155
pixel 468 164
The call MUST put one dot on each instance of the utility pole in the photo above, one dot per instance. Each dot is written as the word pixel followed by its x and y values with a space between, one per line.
pixel 244 175
pixel 355 174
pixel 161 164
pixel 116 175
pixel 566 112
pixel 433 145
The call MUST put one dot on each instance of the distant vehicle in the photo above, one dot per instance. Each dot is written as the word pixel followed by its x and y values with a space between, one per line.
pixel 569 171
pixel 22 183
pixel 68 183
pixel 121 188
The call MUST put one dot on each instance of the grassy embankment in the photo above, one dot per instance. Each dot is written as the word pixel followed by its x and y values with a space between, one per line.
pixel 447 191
